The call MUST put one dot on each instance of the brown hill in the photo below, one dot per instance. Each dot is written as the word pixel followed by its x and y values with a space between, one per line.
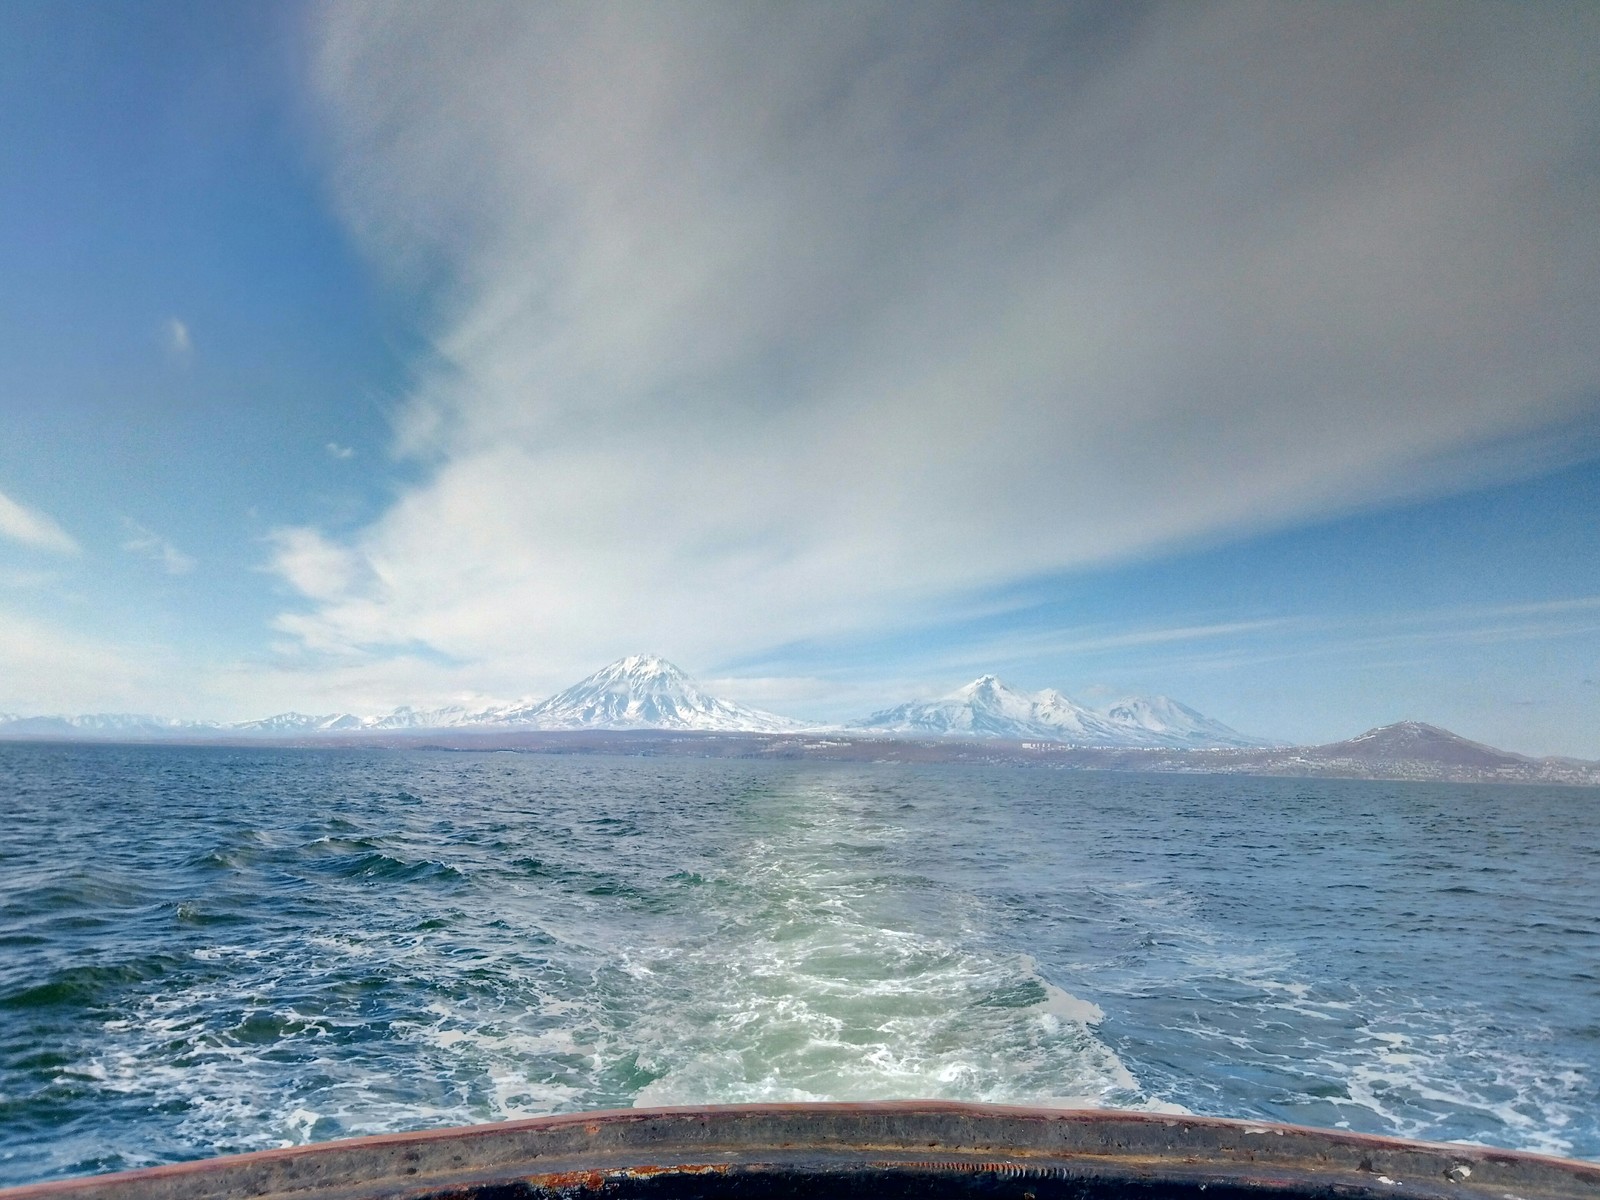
pixel 1416 742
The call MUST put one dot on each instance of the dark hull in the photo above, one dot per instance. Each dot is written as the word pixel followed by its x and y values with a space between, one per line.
pixel 902 1149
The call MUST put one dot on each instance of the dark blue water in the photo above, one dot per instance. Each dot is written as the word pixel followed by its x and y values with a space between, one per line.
pixel 211 950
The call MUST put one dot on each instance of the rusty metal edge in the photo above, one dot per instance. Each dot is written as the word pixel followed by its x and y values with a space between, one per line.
pixel 1166 1145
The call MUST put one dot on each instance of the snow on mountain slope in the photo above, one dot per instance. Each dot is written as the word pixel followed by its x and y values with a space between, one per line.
pixel 986 707
pixel 404 717
pixel 291 723
pixel 647 692
pixel 1165 722
pixel 641 692
pixel 1070 721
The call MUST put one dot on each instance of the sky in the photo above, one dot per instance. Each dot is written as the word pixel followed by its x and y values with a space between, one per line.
pixel 356 355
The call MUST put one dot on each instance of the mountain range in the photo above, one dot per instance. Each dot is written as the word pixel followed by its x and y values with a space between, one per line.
pixel 646 697
pixel 986 707
pixel 647 692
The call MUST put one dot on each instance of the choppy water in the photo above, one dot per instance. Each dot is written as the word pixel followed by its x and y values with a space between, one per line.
pixel 211 950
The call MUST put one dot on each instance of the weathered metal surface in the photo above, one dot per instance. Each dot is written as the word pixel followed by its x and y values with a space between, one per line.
pixel 902 1149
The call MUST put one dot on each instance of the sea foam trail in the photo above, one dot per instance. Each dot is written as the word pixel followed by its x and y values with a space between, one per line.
pixel 803 960
pixel 827 970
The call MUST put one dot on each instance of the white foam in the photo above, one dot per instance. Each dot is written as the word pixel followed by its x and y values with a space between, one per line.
pixel 812 984
pixel 1420 1072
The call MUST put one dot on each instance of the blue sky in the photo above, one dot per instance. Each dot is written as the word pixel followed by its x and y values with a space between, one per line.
pixel 355 355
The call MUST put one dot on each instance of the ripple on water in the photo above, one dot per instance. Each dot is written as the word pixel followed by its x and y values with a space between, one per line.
pixel 212 950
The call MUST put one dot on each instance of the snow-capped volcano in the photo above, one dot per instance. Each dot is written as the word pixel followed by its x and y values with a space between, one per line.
pixel 640 692
pixel 986 707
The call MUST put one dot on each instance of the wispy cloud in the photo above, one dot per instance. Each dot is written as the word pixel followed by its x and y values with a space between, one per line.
pixel 335 450
pixel 1390 640
pixel 148 544
pixel 1140 638
pixel 26 580
pixel 180 345
pixel 33 528
pixel 317 568
pixel 1490 612
pixel 1082 646
pixel 1401 638
pixel 759 328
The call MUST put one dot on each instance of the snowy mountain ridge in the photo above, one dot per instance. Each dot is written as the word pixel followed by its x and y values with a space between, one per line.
pixel 101 725
pixel 645 691
pixel 639 692
pixel 986 707
pixel 404 717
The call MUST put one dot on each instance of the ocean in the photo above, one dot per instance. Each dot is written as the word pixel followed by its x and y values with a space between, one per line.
pixel 208 950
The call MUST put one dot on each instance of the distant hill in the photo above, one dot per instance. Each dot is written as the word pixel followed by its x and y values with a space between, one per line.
pixel 1414 750
pixel 1414 741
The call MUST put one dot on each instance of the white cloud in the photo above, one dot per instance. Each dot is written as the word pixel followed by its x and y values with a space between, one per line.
pixel 147 544
pixel 33 528
pixel 762 324
pixel 180 345
pixel 315 567
pixel 341 452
